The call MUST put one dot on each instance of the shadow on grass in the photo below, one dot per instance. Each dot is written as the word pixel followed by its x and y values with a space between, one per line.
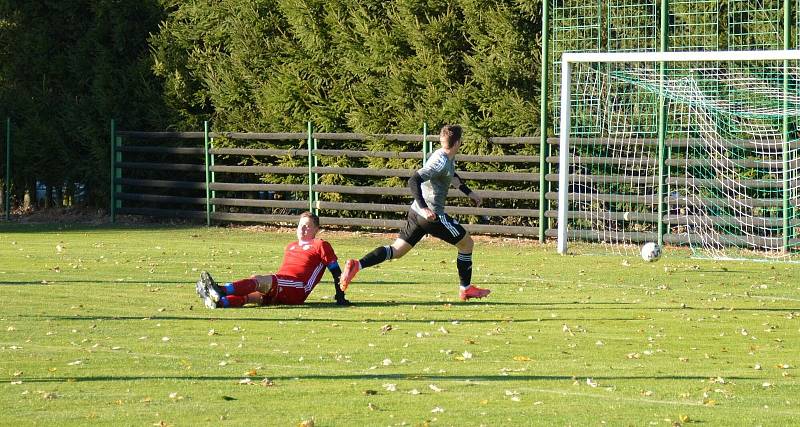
pixel 323 319
pixel 110 281
pixel 27 228
pixel 383 377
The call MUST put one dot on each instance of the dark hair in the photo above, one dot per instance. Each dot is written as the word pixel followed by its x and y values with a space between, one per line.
pixel 314 218
pixel 449 135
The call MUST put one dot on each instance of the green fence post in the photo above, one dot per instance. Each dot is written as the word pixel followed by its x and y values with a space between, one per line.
pixel 543 151
pixel 113 171
pixel 424 143
pixel 7 182
pixel 206 160
pixel 118 174
pixel 309 143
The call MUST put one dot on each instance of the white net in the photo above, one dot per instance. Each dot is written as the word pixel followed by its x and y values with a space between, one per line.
pixel 730 170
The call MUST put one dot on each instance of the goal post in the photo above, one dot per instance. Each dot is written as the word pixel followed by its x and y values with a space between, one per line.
pixel 695 148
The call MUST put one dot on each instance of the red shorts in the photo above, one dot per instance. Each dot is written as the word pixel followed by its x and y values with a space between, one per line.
pixel 285 290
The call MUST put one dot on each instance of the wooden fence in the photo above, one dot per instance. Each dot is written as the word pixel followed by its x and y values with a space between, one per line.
pixel 211 176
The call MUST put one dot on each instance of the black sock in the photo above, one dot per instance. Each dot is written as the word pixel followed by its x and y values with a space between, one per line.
pixel 464 264
pixel 377 256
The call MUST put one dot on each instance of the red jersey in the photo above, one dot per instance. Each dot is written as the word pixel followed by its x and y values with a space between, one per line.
pixel 304 264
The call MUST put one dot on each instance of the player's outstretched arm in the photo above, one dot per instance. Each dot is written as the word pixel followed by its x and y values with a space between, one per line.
pixel 458 183
pixel 337 275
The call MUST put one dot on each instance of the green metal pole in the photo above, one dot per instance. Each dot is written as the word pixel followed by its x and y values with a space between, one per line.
pixel 662 124
pixel 543 93
pixel 113 172
pixel 787 213
pixel 309 143
pixel 7 182
pixel 424 143
pixel 206 160
pixel 118 174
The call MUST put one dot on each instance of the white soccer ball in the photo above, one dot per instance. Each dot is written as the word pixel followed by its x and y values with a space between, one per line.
pixel 651 252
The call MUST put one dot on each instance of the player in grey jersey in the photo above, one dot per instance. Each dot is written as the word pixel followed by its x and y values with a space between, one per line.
pixel 429 186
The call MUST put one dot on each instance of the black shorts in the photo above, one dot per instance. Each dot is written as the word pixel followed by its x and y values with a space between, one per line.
pixel 443 227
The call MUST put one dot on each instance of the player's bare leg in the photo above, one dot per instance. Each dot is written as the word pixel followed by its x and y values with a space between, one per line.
pixel 255 298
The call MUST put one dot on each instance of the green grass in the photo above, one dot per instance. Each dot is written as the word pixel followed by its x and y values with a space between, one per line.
pixel 102 325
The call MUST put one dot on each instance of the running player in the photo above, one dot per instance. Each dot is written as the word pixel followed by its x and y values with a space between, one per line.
pixel 429 186
pixel 304 263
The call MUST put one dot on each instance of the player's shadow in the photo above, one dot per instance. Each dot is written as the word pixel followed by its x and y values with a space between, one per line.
pixel 373 377
pixel 401 303
pixel 320 319
pixel 114 282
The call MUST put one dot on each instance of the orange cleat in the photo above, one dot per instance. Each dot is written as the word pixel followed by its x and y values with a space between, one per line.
pixel 473 292
pixel 351 267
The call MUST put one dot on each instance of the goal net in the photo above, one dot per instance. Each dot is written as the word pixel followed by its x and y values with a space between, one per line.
pixel 681 148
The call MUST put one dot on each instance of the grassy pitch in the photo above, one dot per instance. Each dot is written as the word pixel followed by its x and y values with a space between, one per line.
pixel 102 326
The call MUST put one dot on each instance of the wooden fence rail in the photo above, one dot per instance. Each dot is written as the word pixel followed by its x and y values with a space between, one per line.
pixel 159 175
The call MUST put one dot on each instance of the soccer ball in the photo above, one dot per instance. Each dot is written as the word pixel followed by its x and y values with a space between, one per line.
pixel 651 252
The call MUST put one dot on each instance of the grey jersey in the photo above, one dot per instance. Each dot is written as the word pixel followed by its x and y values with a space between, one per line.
pixel 436 176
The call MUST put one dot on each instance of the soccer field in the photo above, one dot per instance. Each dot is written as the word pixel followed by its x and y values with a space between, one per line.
pixel 102 325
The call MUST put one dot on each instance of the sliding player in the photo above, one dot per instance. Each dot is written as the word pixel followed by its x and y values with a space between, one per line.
pixel 304 263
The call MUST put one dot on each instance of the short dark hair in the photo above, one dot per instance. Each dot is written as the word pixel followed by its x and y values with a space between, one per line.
pixel 449 135
pixel 314 218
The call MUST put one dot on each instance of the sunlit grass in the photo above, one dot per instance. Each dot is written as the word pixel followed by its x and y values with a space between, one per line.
pixel 102 325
